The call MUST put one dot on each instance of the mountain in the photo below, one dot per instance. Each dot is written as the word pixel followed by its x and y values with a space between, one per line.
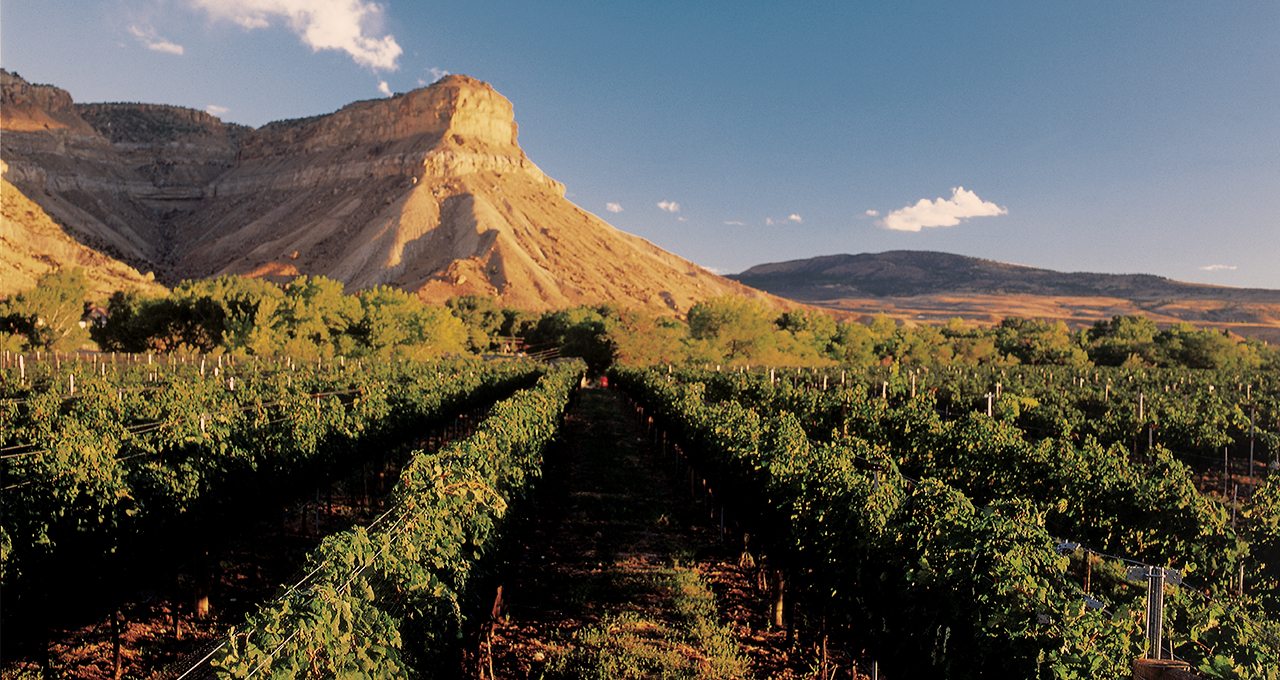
pixel 934 286
pixel 428 191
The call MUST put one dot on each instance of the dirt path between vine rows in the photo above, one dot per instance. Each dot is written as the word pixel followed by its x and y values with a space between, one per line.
pixel 618 566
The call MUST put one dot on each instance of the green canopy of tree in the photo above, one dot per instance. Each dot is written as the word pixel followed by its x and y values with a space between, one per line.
pixel 735 329
pixel 396 320
pixel 49 316
pixel 483 318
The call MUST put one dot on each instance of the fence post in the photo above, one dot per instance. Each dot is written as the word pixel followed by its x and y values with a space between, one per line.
pixel 1226 472
pixel 1155 577
pixel 1251 431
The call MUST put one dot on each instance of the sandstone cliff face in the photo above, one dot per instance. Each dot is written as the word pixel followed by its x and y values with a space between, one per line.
pixel 428 191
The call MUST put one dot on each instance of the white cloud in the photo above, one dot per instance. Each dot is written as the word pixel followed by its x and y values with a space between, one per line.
pixel 941 212
pixel 384 88
pixel 793 217
pixel 872 213
pixel 669 206
pixel 682 219
pixel 1219 268
pixel 613 207
pixel 215 110
pixel 735 223
pixel 152 41
pixel 768 221
pixel 351 26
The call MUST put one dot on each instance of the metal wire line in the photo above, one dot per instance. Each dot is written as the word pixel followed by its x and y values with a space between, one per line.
pixel 286 594
pixel 351 578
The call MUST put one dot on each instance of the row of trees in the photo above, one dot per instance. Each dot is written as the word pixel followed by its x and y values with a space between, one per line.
pixel 307 317
pixel 740 330
pixel 735 331
pixel 312 316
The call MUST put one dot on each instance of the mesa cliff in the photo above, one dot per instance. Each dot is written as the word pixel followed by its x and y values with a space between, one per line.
pixel 428 191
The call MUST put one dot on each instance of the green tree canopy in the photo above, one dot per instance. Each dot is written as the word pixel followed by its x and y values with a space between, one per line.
pixel 319 317
pixel 578 332
pixel 50 314
pixel 736 328
pixel 482 317
pixel 399 320
pixel 1113 342
pixel 1036 341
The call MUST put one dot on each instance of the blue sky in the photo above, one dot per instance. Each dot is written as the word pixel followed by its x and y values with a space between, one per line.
pixel 1088 136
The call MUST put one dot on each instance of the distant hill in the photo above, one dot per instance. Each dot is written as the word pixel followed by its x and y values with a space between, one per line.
pixel 929 285
pixel 428 191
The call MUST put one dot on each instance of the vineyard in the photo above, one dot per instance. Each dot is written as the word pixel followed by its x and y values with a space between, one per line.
pixel 113 463
pixel 354 518
pixel 117 449
pixel 302 381
pixel 953 523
